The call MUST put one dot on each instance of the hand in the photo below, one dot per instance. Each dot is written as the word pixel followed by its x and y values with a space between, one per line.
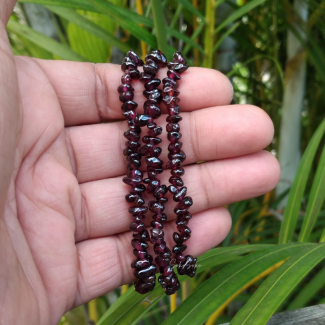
pixel 64 236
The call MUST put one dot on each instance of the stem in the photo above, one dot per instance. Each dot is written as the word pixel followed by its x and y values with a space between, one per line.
pixel 209 33
pixel 143 44
pixel 159 23
pixel 195 51
pixel 173 302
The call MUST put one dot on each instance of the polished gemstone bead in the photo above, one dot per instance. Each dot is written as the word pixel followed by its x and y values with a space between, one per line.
pixel 185 203
pixel 138 210
pixel 133 156
pixel 188 266
pixel 156 224
pixel 145 77
pixel 150 69
pixel 185 216
pixel 178 67
pixel 146 271
pixel 173 164
pixel 177 238
pixel 171 82
pixel 155 131
pixel 152 110
pixel 160 191
pixel 143 287
pixel 156 170
pixel 150 85
pixel 139 245
pixel 126 79
pixel 179 248
pixel 126 96
pixel 124 88
pixel 132 181
pixel 156 152
pixel 161 217
pixel 178 171
pixel 160 248
pixel 134 164
pixel 134 173
pixel 135 58
pixel 129 105
pixel 180 258
pixel 130 115
pixel 138 189
pixel 156 92
pixel 153 185
pixel 173 118
pixel 178 57
pixel 170 127
pixel 128 65
pixel 180 155
pixel 151 140
pixel 170 91
pixel 135 74
pixel 131 197
pixel 151 125
pixel 156 233
pixel 156 207
pixel 162 200
pixel 132 144
pixel 171 100
pixel 139 264
pixel 172 189
pixel 140 254
pixel 143 236
pixel 165 271
pixel 172 74
pixel 154 56
pixel 175 147
pixel 180 195
pixel 138 227
pixel 135 129
pixel 154 162
pixel 128 151
pixel 139 202
pixel 161 261
pixel 142 120
pixel 150 278
pixel 174 110
pixel 176 181
pixel 146 149
pixel 138 219
pixel 132 136
pixel 184 230
pixel 174 136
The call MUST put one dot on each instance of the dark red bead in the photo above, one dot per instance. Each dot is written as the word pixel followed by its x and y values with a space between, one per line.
pixel 130 115
pixel 174 136
pixel 135 58
pixel 171 100
pixel 173 164
pixel 160 217
pixel 162 261
pixel 145 77
pixel 153 162
pixel 146 271
pixel 126 79
pixel 138 189
pixel 129 105
pixel 142 120
pixel 139 245
pixel 178 58
pixel 155 131
pixel 143 236
pixel 170 91
pixel 178 171
pixel 173 118
pixel 156 207
pixel 138 264
pixel 180 195
pixel 156 224
pixel 172 74
pixel 176 181
pixel 132 181
pixel 132 144
pixel 138 227
pixel 126 96
pixel 180 248
pixel 174 110
pixel 179 155
pixel 124 88
pixel 143 287
pixel 128 65
pixel 140 254
pixel 171 127
pixel 171 82
pixel 151 140
pixel 177 238
pixel 175 147
pixel 150 69
pixel 135 74
pixel 150 85
pixel 132 136
pixel 153 111
pixel 138 210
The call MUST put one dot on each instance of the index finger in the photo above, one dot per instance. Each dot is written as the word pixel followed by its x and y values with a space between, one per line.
pixel 88 92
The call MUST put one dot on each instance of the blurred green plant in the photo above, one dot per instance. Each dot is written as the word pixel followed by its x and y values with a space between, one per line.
pixel 272 259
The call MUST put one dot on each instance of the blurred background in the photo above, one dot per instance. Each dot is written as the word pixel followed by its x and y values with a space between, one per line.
pixel 273 51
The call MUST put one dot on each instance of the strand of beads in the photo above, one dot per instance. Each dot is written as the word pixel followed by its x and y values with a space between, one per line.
pixel 144 268
pixel 168 279
pixel 186 264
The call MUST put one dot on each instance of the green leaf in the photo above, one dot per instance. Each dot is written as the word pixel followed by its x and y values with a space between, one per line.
pixel 239 13
pixel 88 26
pixel 277 287
pixel 227 33
pixel 298 187
pixel 47 43
pixel 213 293
pixel 315 201
pixel 124 21
pixel 131 305
pixel 191 9
pixel 309 291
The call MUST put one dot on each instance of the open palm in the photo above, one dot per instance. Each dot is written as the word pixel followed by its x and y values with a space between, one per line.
pixel 64 236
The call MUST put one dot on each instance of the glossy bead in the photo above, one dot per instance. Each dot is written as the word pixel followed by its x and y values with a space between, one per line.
pixel 145 77
pixel 141 246
pixel 185 203
pixel 178 58
pixel 160 217
pixel 174 110
pixel 171 100
pixel 174 136
pixel 174 118
pixel 132 144
pixel 178 171
pixel 156 224
pixel 137 227
pixel 126 79
pixel 176 181
pixel 173 164
pixel 146 271
pixel 135 74
pixel 178 155
pixel 152 110
pixel 138 210
pixel 138 189
pixel 143 236
pixel 177 238
pixel 168 90
pixel 171 127
pixel 184 230
pixel 161 261
pixel 140 254
pixel 154 93
pixel 134 164
pixel 150 69
pixel 153 162
pixel 178 67
pixel 124 87
pixel 135 58
pixel 179 248
pixel 132 181
pixel 143 287
pixel 152 140
pixel 155 131
pixel 180 194
pixel 156 207
pixel 141 120
pixel 175 147
pixel 138 264
pixel 129 105
pixel 152 84
pixel 132 136
pixel 168 81
pixel 172 74
pixel 128 65
pixel 126 96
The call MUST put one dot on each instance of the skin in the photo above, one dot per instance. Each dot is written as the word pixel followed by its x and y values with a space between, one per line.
pixel 64 236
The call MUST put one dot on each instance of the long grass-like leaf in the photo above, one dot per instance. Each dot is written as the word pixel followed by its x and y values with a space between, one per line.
pixel 277 287
pixel 298 187
pixel 215 291
pixel 47 43
pixel 131 305
pixel 315 200
pixel 191 9
pixel 240 12
pixel 89 26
